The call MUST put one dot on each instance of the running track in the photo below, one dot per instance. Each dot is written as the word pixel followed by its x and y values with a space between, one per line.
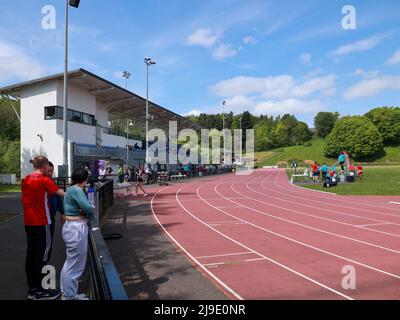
pixel 258 237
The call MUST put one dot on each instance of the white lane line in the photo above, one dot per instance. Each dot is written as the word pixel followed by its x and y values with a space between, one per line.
pixel 233 262
pixel 396 203
pixel 219 281
pixel 374 225
pixel 314 216
pixel 324 209
pixel 302 243
pixel 225 255
pixel 289 186
pixel 257 253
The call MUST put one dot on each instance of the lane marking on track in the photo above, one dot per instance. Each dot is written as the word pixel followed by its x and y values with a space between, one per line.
pixel 233 262
pixel 213 276
pixel 396 203
pixel 302 243
pixel 225 255
pixel 374 225
pixel 257 253
pixel 332 204
pixel 314 216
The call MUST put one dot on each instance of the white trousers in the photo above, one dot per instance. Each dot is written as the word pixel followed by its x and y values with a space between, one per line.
pixel 75 235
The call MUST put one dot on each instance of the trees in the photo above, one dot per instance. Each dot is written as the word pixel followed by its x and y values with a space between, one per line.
pixel 324 123
pixel 356 135
pixel 9 139
pixel 301 133
pixel 387 121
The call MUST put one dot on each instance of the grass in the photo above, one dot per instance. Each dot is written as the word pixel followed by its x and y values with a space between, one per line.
pixel 10 188
pixel 315 152
pixel 376 181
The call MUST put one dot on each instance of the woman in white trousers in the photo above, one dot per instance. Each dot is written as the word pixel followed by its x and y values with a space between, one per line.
pixel 77 209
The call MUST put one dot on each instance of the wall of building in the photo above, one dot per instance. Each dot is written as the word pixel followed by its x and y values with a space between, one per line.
pixel 33 100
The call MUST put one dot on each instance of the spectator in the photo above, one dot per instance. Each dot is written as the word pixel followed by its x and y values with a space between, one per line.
pixel 75 234
pixel 360 171
pixel 342 159
pixel 120 173
pixel 324 171
pixel 56 204
pixel 139 180
pixel 36 188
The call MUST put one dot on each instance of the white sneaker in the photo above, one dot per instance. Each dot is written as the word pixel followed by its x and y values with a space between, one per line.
pixel 81 297
pixel 145 195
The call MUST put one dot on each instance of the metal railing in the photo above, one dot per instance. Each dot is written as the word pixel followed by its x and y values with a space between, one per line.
pixel 104 281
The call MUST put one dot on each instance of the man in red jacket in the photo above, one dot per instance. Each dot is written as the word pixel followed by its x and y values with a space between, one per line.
pixel 36 190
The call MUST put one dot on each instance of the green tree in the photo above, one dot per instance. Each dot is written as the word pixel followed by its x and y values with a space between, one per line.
pixel 324 123
pixel 9 123
pixel 387 121
pixel 301 133
pixel 356 135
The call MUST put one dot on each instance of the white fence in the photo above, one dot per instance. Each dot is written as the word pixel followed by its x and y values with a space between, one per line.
pixel 8 179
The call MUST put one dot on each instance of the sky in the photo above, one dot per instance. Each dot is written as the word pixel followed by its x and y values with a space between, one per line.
pixel 263 56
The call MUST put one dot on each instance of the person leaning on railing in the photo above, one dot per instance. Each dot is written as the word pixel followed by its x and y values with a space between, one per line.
pixel 77 210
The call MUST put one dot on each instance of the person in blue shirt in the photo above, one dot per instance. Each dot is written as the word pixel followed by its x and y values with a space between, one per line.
pixel 324 170
pixel 342 160
pixel 77 210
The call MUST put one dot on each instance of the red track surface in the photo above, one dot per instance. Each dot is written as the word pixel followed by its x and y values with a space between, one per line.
pixel 258 237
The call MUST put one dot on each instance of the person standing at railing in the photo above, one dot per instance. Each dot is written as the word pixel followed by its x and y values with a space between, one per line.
pixel 36 188
pixel 77 210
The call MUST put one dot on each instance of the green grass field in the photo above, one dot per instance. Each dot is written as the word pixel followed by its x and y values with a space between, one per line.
pixel 315 152
pixel 10 188
pixel 376 181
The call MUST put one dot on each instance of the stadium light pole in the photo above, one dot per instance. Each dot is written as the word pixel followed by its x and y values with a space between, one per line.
pixel 149 62
pixel 75 4
pixel 223 127
pixel 241 139
pixel 126 75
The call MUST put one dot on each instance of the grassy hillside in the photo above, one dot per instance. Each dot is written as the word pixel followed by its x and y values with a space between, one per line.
pixel 391 155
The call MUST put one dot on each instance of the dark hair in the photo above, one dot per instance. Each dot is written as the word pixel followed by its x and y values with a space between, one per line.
pixel 40 162
pixel 51 164
pixel 79 175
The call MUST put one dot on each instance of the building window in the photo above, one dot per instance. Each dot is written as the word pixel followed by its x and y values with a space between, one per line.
pixel 55 112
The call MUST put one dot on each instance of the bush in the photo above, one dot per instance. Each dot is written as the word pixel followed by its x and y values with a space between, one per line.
pixel 356 135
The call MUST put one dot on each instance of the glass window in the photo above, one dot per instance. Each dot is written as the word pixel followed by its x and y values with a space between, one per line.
pixel 77 116
pixel 86 118
pixel 60 112
pixel 49 113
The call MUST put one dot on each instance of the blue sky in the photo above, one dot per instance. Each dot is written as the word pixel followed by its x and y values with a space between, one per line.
pixel 268 57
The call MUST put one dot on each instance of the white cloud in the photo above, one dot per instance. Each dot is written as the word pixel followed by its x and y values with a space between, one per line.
pixel 293 106
pixel 395 59
pixel 193 112
pixel 359 46
pixel 249 40
pixel 372 87
pixel 366 74
pixel 305 59
pixel 324 84
pixel 203 37
pixel 224 51
pixel 273 87
pixel 238 104
pixel 15 63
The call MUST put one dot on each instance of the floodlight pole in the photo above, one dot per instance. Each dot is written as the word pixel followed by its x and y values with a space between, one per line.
pixel 148 62
pixel 241 140
pixel 65 100
pixel 223 128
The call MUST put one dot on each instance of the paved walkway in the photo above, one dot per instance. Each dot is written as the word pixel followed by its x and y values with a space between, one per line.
pixel 150 267
pixel 12 250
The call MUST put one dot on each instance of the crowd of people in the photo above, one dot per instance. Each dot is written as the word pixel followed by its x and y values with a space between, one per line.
pixel 323 172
